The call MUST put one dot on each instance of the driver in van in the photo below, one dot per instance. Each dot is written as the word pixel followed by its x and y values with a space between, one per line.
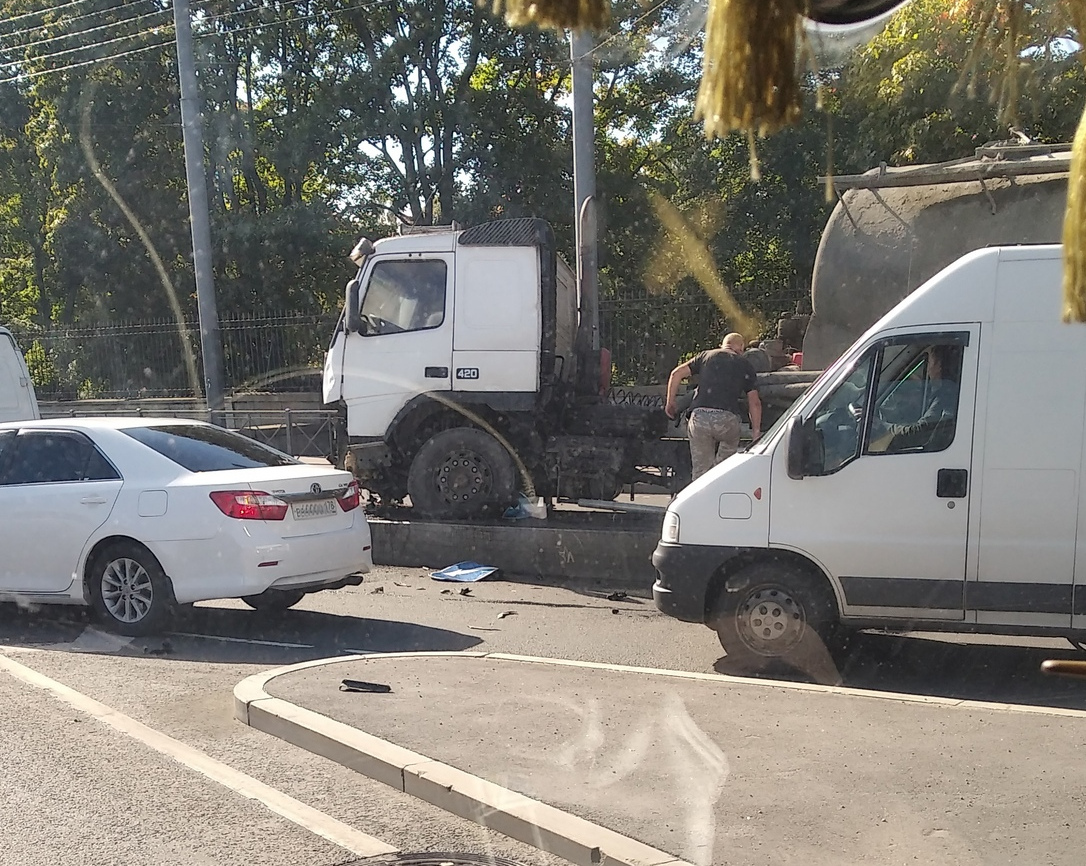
pixel 936 421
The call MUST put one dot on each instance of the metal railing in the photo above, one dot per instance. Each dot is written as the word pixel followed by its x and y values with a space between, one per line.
pixel 153 358
pixel 297 432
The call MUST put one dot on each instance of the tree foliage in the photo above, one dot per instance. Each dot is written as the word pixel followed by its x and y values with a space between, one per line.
pixel 326 119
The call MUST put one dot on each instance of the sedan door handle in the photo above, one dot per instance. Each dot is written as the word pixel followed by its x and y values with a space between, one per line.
pixel 92 500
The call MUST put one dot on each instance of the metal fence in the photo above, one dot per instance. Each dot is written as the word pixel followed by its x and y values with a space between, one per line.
pixel 283 352
pixel 648 334
pixel 160 357
pixel 300 433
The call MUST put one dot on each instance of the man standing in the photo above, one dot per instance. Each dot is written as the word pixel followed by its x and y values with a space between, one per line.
pixel 724 378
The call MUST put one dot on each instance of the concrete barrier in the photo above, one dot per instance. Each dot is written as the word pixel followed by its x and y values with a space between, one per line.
pixel 601 549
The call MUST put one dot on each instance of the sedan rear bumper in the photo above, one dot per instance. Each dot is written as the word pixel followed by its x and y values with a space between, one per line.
pixel 239 563
pixel 317 585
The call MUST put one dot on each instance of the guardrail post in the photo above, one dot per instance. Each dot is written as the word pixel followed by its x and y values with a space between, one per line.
pixel 290 434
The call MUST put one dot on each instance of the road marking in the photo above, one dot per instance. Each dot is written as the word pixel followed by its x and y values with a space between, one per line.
pixel 226 639
pixel 92 640
pixel 356 842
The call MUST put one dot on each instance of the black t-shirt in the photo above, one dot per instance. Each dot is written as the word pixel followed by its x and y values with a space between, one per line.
pixel 723 378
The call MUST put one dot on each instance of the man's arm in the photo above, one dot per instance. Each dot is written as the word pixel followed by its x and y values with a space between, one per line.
pixel 677 375
pixel 754 406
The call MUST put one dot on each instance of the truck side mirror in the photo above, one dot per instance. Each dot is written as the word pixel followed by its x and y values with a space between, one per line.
pixel 354 315
pixel 800 439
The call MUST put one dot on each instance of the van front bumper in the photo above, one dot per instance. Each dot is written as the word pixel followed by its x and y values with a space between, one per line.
pixel 685 572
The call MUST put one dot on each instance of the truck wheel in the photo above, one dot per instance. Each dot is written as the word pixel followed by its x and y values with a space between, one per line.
pixel 771 611
pixel 461 472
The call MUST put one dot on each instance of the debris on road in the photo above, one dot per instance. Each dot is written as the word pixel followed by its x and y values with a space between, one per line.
pixel 362 686
pixel 446 592
pixel 617 596
pixel 614 610
pixel 165 649
pixel 464 572
pixel 377 590
pixel 526 508
pixel 466 590
pixel 506 613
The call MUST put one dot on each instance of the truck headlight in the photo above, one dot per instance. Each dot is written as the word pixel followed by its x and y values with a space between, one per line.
pixel 670 532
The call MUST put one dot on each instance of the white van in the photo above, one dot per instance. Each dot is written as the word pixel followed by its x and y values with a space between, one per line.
pixel 17 399
pixel 931 478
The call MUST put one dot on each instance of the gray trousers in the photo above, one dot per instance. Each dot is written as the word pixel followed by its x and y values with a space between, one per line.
pixel 714 437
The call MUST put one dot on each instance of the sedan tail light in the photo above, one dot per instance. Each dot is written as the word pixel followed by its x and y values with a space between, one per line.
pixel 350 498
pixel 249 505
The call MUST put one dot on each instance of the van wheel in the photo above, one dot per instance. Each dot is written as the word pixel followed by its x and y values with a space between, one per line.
pixel 461 472
pixel 771 611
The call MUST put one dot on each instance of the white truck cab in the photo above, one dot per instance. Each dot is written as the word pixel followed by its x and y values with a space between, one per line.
pixel 447 311
pixel 17 399
pixel 466 374
pixel 930 478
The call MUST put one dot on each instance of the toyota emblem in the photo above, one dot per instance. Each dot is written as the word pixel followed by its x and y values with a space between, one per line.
pixel 314 487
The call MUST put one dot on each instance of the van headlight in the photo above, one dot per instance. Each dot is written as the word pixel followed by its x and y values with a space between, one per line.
pixel 670 532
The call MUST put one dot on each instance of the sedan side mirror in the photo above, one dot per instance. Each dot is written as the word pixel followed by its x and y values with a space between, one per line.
pixel 354 316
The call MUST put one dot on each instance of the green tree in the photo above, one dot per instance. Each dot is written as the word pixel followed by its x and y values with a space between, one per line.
pixel 933 85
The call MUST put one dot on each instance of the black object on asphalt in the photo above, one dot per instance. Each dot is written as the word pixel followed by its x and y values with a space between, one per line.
pixel 362 686
pixel 616 596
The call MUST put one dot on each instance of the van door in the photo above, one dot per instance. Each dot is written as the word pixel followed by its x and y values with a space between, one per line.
pixel 17 400
pixel 405 345
pixel 884 504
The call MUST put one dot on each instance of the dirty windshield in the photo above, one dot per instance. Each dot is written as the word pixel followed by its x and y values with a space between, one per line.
pixel 536 432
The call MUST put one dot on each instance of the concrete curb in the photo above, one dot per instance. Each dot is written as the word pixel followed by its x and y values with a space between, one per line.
pixel 483 802
pixel 469 796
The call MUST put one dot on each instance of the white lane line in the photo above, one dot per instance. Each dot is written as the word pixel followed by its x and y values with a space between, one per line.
pixel 356 842
pixel 226 639
pixel 92 640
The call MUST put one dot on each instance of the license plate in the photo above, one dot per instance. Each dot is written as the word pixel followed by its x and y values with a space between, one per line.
pixel 316 508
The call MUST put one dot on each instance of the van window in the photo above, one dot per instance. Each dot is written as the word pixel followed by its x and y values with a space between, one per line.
pixel 914 383
pixel 916 397
pixel 838 420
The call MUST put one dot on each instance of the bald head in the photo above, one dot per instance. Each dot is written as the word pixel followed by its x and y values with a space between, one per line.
pixel 734 343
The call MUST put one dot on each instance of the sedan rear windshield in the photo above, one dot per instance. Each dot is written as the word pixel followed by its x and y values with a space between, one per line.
pixel 208 449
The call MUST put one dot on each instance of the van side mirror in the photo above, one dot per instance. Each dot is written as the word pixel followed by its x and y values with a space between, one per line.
pixel 354 315
pixel 801 441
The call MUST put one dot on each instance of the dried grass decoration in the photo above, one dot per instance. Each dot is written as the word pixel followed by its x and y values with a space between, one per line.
pixel 749 80
pixel 1074 219
pixel 558 14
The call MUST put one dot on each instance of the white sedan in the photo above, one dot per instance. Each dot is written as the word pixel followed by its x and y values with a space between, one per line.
pixel 134 516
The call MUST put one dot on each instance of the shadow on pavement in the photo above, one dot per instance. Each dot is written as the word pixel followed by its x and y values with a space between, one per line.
pixel 228 636
pixel 906 664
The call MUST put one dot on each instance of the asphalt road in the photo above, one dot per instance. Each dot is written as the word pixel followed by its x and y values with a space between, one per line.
pixel 80 789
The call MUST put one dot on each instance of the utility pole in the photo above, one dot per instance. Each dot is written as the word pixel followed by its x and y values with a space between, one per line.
pixel 584 186
pixel 191 127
